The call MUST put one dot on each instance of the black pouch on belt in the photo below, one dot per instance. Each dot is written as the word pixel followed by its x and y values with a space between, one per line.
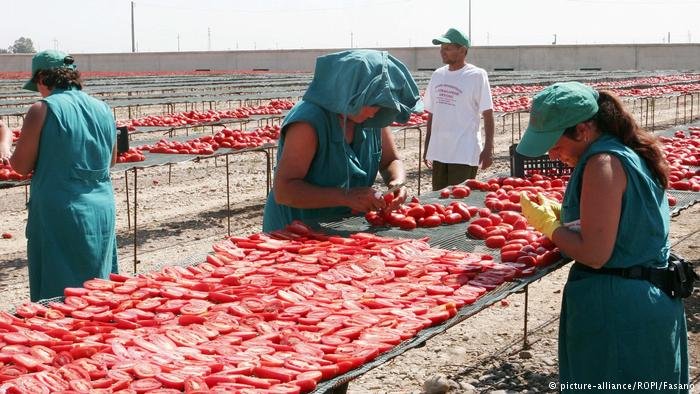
pixel 682 276
pixel 677 279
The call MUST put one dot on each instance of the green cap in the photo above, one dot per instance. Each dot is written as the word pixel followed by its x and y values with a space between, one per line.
pixel 48 60
pixel 554 109
pixel 453 36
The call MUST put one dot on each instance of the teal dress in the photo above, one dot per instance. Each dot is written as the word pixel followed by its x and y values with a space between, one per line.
pixel 71 225
pixel 343 83
pixel 335 164
pixel 619 330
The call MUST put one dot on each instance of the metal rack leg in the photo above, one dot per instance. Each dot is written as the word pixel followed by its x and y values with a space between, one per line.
pixel 420 156
pixel 268 171
pixel 526 344
pixel 692 104
pixel 170 172
pixel 136 193
pixel 128 206
pixel 228 198
pixel 520 127
pixel 26 194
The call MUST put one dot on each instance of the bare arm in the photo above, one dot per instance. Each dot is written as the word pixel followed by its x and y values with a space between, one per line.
pixel 292 190
pixel 24 157
pixel 391 167
pixel 5 143
pixel 604 182
pixel 486 156
pixel 429 129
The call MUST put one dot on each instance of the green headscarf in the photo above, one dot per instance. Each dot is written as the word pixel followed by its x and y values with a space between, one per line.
pixel 344 82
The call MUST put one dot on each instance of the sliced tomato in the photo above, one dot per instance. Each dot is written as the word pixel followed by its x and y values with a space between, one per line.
pixel 25 360
pixel 307 380
pixel 260 383
pixel 81 385
pixel 278 373
pixel 171 380
pixel 145 385
pixel 285 388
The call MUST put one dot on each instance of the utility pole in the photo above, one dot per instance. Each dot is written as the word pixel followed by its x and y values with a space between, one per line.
pixel 133 39
pixel 208 38
pixel 470 22
pixel 669 38
pixel 178 42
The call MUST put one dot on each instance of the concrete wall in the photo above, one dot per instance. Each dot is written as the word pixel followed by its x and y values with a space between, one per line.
pixel 544 58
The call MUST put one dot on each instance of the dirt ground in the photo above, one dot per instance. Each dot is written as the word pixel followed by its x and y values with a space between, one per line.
pixel 484 353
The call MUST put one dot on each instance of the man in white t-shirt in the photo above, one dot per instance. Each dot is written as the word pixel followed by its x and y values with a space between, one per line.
pixel 458 95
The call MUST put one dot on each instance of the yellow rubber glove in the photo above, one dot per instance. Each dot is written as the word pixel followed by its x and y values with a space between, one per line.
pixel 554 205
pixel 540 216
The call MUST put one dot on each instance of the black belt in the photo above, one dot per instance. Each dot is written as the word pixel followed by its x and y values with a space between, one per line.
pixel 656 276
pixel 676 279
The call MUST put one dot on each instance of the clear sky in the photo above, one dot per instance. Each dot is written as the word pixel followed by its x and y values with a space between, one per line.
pixel 99 26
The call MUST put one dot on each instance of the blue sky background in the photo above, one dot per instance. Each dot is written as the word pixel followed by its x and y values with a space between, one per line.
pixel 101 26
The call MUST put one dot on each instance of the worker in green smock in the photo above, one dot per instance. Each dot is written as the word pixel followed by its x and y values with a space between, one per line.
pixel 335 140
pixel 68 140
pixel 617 328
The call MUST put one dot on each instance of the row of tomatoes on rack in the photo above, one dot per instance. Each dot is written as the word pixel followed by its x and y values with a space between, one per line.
pixel 208 144
pixel 682 152
pixel 194 117
pixel 276 312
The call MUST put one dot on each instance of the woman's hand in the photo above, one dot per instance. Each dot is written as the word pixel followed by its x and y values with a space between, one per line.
pixel 5 153
pixel 398 196
pixel 540 215
pixel 364 199
pixel 5 143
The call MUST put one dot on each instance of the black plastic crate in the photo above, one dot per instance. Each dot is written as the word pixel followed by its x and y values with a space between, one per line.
pixel 522 166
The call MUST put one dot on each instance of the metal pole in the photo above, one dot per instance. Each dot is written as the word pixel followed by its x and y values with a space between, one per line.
pixel 520 127
pixel 136 193
pixel 268 170
pixel 228 198
pixel 133 39
pixel 128 207
pixel 526 344
pixel 420 155
pixel 470 21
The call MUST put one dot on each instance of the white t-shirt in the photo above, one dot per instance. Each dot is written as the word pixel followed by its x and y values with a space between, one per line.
pixel 456 99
